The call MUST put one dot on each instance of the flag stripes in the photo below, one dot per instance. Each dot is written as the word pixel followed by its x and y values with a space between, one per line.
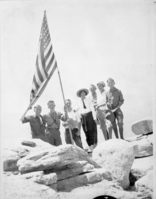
pixel 48 54
pixel 45 61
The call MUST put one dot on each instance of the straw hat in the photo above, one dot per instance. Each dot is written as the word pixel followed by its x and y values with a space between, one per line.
pixel 84 90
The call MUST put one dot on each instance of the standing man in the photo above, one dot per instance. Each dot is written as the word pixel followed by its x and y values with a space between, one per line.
pixel 101 111
pixel 37 123
pixel 88 117
pixel 72 123
pixel 52 120
pixel 115 101
pixel 93 97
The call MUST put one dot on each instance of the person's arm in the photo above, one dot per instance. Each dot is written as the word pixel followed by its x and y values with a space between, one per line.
pixel 99 105
pixel 102 102
pixel 92 108
pixel 64 116
pixel 107 101
pixel 107 114
pixel 26 119
pixel 121 101
pixel 115 109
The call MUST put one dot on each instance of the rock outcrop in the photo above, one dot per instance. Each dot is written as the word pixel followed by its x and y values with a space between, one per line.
pixel 117 156
pixel 94 176
pixel 145 148
pixel 13 150
pixel 145 184
pixel 54 159
pixel 144 126
pixel 67 171
pixel 18 187
pixel 141 166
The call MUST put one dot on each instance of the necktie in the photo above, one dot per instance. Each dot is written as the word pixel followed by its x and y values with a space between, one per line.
pixel 84 106
pixel 40 119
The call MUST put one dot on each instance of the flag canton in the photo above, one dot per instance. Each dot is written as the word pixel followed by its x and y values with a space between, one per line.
pixel 45 35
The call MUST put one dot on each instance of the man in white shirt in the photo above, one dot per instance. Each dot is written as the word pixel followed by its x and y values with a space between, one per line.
pixel 73 124
pixel 88 117
pixel 105 124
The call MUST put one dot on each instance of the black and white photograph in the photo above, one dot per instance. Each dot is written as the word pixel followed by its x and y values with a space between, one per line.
pixel 78 101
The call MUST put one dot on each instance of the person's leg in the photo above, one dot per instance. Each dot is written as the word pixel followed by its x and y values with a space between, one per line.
pixel 114 125
pixel 109 128
pixel 77 138
pixel 50 136
pixel 101 117
pixel 95 136
pixel 104 130
pixel 86 133
pixel 44 138
pixel 80 141
pixel 119 116
pixel 84 127
pixel 67 137
pixel 112 119
pixel 57 139
pixel 91 131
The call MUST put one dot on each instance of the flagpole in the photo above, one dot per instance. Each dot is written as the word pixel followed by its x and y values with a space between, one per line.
pixel 70 133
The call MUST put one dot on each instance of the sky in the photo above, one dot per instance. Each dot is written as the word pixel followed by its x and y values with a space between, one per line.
pixel 92 41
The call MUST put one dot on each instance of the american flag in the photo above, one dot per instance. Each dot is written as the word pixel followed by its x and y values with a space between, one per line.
pixel 45 62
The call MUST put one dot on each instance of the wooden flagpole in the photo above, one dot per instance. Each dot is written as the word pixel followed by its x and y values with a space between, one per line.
pixel 70 133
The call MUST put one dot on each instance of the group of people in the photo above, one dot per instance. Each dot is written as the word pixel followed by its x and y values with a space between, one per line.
pixel 103 109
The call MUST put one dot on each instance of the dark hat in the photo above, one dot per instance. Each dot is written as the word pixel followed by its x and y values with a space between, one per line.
pixel 84 90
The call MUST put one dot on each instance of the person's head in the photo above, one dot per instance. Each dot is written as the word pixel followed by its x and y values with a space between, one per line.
pixel 92 88
pixel 37 110
pixel 51 104
pixel 82 93
pixel 101 85
pixel 110 82
pixel 68 103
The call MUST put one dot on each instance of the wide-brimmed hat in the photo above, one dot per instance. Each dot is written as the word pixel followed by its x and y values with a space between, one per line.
pixel 83 89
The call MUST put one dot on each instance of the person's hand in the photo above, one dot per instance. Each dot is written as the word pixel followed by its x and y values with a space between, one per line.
pixel 65 108
pixel 108 105
pixel 96 121
pixel 70 121
pixel 65 124
pixel 114 110
pixel 30 107
pixel 97 107
pixel 78 133
pixel 107 114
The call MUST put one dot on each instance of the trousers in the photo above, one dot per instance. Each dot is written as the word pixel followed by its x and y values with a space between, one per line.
pixel 75 136
pixel 54 137
pixel 89 128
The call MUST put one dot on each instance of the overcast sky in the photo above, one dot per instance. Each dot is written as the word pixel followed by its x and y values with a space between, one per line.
pixel 92 41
